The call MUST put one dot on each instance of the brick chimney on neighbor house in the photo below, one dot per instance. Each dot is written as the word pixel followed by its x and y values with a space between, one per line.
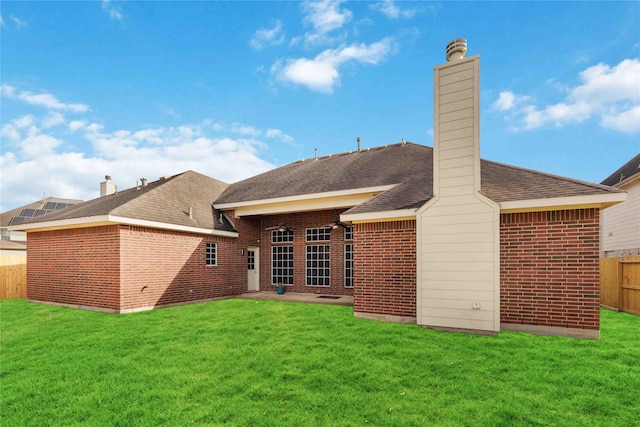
pixel 107 187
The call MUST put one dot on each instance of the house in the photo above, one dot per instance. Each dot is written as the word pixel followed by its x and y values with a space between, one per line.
pixel 26 212
pixel 13 244
pixel 433 236
pixel 620 224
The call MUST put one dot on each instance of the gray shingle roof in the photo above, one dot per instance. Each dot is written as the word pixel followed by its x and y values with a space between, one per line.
pixel 166 200
pixel 626 171
pixel 407 164
pixel 386 165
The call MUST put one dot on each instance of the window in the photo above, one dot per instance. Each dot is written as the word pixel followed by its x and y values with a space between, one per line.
pixel 318 269
pixel 318 234
pixel 251 260
pixel 281 236
pixel 282 265
pixel 348 233
pixel 211 254
pixel 348 265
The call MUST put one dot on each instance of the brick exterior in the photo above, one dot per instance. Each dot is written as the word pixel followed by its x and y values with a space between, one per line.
pixel 127 268
pixel 549 265
pixel 549 268
pixel 300 222
pixel 77 266
pixel 385 268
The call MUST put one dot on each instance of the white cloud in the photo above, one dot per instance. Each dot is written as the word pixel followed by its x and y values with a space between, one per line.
pixel 391 10
pixel 626 121
pixel 19 23
pixel 267 36
pixel 321 73
pixel 53 118
pixel 112 10
pixel 37 145
pixel 43 99
pixel 245 130
pixel 13 130
pixel 71 157
pixel 124 154
pixel 610 93
pixel 324 17
pixel 277 133
pixel 505 101
pixel 74 125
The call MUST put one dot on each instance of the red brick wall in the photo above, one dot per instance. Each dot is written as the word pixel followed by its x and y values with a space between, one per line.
pixel 549 268
pixel 124 268
pixel 77 266
pixel 299 222
pixel 160 267
pixel 385 268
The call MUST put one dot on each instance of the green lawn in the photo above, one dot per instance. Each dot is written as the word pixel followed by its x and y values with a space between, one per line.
pixel 251 363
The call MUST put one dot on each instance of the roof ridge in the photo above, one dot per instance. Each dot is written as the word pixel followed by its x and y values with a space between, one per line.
pixel 362 150
pixel 562 178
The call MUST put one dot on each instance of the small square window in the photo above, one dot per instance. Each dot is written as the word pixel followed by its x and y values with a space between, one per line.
pixel 318 234
pixel 348 233
pixel 281 236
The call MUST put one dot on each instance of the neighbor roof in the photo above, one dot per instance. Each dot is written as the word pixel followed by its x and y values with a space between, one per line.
pixel 407 166
pixel 6 217
pixel 166 201
pixel 13 245
pixel 626 171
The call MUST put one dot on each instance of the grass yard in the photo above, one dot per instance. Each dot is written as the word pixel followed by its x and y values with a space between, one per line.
pixel 252 363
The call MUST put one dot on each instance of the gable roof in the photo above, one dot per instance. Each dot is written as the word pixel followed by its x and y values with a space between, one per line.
pixel 165 201
pixel 405 166
pixel 624 172
pixel 40 205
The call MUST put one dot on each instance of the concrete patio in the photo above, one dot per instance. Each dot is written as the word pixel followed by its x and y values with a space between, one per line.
pixel 299 297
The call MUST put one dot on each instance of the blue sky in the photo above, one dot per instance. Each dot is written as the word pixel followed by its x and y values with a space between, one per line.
pixel 138 89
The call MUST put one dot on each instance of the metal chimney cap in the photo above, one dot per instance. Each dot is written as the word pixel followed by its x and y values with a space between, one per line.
pixel 456 49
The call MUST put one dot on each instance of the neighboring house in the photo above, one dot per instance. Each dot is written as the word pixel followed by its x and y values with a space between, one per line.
pixel 433 236
pixel 620 224
pixel 13 244
pixel 27 212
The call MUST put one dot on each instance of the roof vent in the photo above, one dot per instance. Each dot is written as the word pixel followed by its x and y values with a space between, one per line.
pixel 143 181
pixel 456 49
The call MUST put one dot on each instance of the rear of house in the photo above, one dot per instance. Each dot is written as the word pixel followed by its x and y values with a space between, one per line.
pixel 432 236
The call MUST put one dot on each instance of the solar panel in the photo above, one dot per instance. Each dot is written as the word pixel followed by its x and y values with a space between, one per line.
pixel 50 205
pixel 40 212
pixel 18 220
pixel 28 213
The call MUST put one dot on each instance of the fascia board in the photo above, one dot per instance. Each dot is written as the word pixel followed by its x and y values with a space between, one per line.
pixel 94 221
pixel 303 197
pixel 401 214
pixel 561 203
pixel 624 183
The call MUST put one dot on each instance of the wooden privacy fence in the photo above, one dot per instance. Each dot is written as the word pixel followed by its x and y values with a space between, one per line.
pixel 620 283
pixel 13 276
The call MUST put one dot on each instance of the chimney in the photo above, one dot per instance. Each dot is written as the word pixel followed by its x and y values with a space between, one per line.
pixel 456 145
pixel 143 182
pixel 107 187
pixel 459 224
